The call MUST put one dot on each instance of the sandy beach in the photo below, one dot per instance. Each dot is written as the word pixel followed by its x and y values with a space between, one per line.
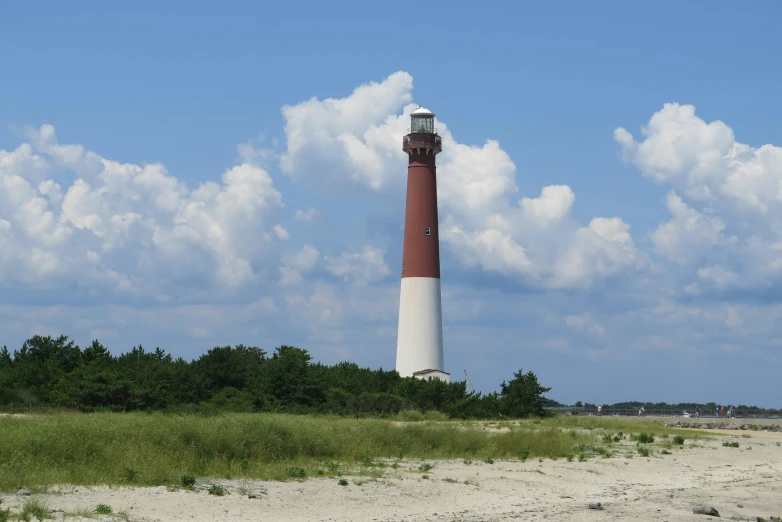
pixel 741 483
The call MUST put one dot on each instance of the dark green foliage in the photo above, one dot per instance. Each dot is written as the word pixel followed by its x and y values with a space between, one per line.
pixel 188 481
pixel 731 444
pixel 678 439
pixel 217 490
pixel 643 438
pixel 103 509
pixel 523 396
pixel 54 373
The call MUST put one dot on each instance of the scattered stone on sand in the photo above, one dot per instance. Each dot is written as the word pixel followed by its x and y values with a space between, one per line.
pixel 23 493
pixel 710 511
pixel 597 505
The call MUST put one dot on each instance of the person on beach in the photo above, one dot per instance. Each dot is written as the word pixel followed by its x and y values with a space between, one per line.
pixel 697 412
pixel 599 410
pixel 722 411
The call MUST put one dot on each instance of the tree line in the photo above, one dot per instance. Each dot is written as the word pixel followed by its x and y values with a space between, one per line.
pixel 661 406
pixel 50 372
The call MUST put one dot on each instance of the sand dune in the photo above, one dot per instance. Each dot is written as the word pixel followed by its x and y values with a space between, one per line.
pixel 659 488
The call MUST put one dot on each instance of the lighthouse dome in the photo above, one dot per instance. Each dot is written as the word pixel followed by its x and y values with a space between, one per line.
pixel 423 111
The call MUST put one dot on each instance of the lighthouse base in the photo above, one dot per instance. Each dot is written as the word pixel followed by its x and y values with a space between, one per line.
pixel 420 337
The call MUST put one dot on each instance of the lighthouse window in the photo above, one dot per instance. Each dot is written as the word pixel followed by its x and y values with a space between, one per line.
pixel 428 231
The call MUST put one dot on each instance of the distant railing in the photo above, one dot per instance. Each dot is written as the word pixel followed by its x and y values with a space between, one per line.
pixel 669 412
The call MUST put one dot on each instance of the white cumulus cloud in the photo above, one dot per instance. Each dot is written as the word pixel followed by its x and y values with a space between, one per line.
pixel 124 227
pixel 725 202
pixel 483 222
pixel 295 266
pixel 367 266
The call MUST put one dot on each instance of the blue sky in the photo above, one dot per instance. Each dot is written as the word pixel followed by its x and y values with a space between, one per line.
pixel 647 270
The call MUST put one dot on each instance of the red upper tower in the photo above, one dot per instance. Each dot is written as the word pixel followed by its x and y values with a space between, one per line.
pixel 421 250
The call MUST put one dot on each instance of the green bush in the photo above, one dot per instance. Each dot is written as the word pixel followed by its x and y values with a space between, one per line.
pixel 644 438
pixel 434 415
pixel 678 439
pixel 217 490
pixel 103 509
pixel 410 416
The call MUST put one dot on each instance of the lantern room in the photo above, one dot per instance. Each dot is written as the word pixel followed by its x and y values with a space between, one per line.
pixel 422 121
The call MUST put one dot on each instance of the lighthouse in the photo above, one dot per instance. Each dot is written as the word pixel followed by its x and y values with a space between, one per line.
pixel 419 349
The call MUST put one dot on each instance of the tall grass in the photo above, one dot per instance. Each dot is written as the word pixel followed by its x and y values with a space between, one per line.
pixel 161 449
pixel 611 424
pixel 158 449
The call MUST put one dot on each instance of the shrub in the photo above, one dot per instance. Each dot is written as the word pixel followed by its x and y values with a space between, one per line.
pixel 644 438
pixel 188 481
pixel 342 482
pixel 523 454
pixel 217 490
pixel 434 415
pixel 423 468
pixel 733 444
pixel 643 451
pixel 678 439
pixel 103 509
pixel 489 460
pixel 410 416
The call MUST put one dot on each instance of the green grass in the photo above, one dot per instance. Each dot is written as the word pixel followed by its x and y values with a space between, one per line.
pixel 612 425
pixel 34 508
pixel 172 450
pixel 81 512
